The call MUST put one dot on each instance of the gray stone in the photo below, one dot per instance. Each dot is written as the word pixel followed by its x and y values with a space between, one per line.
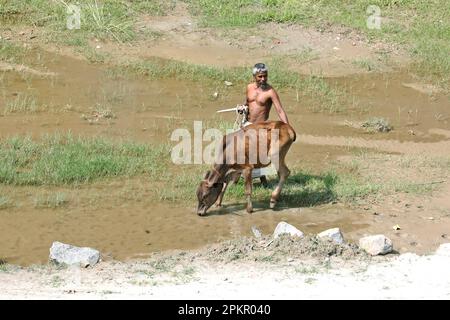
pixel 333 234
pixel 71 255
pixel 377 244
pixel 443 250
pixel 284 227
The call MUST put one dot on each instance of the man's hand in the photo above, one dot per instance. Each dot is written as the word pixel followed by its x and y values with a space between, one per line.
pixel 242 109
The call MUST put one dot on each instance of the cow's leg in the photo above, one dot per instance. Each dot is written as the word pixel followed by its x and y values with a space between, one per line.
pixel 247 173
pixel 232 177
pixel 219 200
pixel 283 174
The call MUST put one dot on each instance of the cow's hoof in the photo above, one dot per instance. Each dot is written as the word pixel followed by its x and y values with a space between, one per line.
pixel 249 210
pixel 272 204
pixel 218 205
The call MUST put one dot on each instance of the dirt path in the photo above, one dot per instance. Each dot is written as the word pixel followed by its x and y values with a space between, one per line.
pixel 407 276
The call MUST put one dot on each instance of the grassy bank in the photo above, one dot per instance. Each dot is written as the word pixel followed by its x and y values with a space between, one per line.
pixel 104 19
pixel 66 161
pixel 63 160
pixel 422 26
pixel 360 177
pixel 108 19
pixel 324 97
pixel 10 52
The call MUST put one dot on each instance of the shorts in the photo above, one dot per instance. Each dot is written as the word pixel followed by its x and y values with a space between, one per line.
pixel 266 171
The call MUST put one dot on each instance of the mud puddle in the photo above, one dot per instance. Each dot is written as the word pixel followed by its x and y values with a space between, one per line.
pixel 133 231
pixel 85 99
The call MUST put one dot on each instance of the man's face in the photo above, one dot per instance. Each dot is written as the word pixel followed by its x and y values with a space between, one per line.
pixel 261 80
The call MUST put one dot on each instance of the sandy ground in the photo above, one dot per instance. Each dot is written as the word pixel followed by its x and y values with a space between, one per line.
pixel 406 276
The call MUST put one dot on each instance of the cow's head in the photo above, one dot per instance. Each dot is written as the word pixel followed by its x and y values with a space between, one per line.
pixel 208 192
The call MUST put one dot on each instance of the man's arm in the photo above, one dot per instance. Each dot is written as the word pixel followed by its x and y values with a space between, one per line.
pixel 277 103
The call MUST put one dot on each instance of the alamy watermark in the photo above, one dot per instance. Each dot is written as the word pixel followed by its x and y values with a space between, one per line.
pixel 73 17
pixel 374 19
pixel 249 146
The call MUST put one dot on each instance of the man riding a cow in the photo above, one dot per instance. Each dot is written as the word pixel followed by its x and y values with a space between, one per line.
pixel 257 140
pixel 261 96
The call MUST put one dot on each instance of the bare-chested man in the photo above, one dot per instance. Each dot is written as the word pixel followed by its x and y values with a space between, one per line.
pixel 261 96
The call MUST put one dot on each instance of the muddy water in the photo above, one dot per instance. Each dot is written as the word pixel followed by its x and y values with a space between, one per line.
pixel 147 111
pixel 133 231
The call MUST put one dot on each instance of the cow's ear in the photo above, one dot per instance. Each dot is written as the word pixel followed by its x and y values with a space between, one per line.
pixel 207 175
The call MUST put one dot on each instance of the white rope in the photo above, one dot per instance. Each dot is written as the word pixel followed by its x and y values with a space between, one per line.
pixel 241 116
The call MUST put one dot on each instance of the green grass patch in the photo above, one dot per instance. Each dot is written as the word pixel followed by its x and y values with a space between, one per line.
pixel 63 160
pixel 367 174
pixel 377 124
pixel 4 266
pixel 325 97
pixel 302 189
pixel 421 26
pixel 106 19
pixel 351 187
pixel 10 52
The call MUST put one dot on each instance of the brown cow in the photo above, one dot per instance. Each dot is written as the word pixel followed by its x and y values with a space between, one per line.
pixel 272 141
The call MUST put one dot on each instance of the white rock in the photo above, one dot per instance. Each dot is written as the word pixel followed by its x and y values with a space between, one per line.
pixel 443 250
pixel 284 227
pixel 256 232
pixel 228 83
pixel 71 255
pixel 333 234
pixel 377 244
